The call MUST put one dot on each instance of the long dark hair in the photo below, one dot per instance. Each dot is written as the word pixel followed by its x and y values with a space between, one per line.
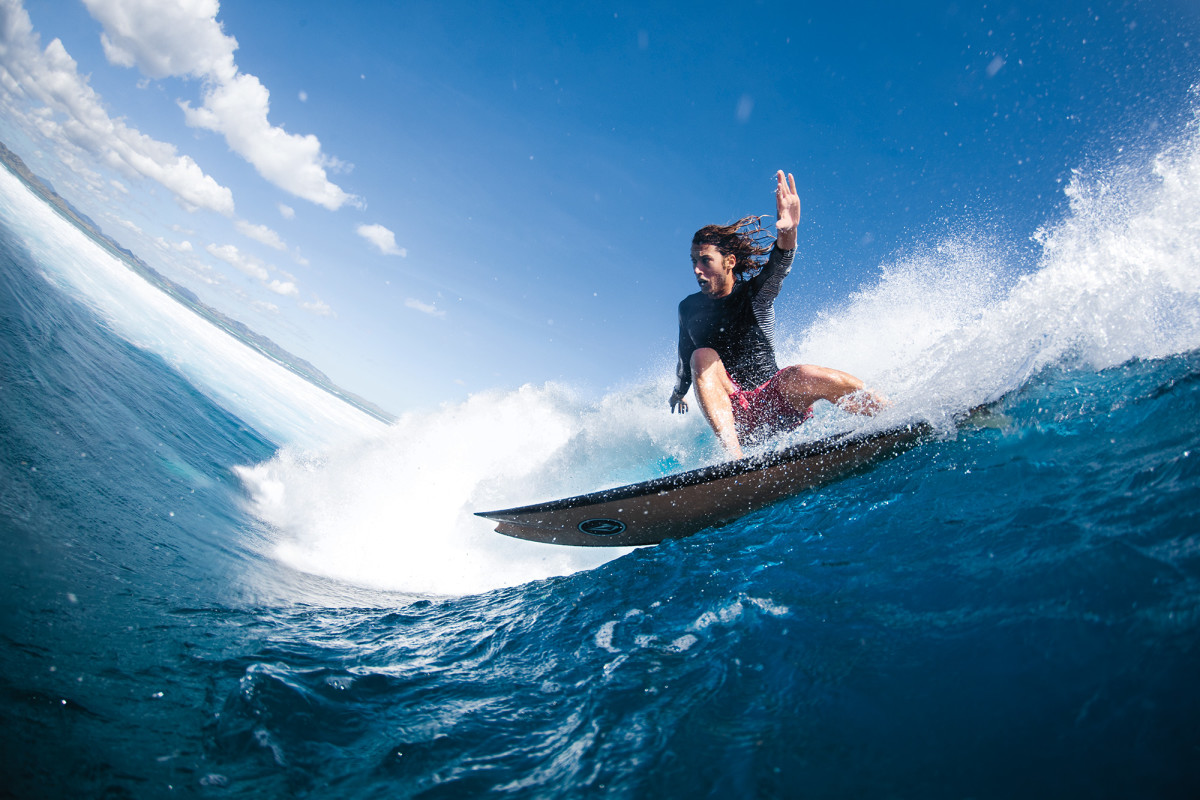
pixel 746 239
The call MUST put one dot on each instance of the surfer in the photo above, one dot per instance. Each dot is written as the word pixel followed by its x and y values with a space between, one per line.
pixel 727 334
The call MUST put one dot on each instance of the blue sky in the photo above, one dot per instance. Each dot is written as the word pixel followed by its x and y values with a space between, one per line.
pixel 427 200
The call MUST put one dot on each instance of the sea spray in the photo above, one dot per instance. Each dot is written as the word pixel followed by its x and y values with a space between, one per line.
pixel 958 324
pixel 918 311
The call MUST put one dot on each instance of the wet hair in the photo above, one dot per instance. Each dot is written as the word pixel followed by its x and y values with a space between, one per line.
pixel 745 239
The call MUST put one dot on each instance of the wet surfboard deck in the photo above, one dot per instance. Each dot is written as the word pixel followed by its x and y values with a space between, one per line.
pixel 687 502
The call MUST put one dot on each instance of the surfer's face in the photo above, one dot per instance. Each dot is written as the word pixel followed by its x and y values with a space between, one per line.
pixel 713 271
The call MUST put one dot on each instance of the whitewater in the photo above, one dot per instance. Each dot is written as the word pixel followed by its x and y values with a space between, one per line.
pixel 225 581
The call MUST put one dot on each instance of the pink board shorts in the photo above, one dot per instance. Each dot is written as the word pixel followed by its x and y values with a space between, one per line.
pixel 763 412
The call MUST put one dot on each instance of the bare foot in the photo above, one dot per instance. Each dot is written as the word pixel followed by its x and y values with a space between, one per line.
pixel 864 402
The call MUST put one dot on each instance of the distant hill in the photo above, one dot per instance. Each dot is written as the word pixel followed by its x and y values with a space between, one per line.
pixel 183 295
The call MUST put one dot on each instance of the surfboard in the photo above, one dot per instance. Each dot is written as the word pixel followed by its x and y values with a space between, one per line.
pixel 687 502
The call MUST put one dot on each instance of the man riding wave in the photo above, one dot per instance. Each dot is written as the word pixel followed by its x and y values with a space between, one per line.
pixel 727 334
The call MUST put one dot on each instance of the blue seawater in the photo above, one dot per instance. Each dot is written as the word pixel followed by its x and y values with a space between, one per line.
pixel 1011 609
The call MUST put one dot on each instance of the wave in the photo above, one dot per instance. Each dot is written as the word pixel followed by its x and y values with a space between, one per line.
pixel 950 324
pixel 276 401
pixel 946 328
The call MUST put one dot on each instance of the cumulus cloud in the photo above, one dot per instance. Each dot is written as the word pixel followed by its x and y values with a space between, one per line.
pixel 382 238
pixel 72 115
pixel 185 40
pixel 287 212
pixel 260 233
pixel 424 308
pixel 165 39
pixel 285 288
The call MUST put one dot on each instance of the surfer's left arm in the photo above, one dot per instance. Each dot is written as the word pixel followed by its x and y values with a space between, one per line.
pixel 787 211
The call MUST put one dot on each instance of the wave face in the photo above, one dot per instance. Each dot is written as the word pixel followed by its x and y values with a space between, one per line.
pixel 218 585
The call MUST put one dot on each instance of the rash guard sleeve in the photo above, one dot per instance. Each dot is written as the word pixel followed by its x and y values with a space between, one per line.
pixel 683 368
pixel 766 285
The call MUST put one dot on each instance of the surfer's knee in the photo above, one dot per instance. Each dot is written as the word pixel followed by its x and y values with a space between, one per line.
pixel 708 371
pixel 804 384
pixel 803 378
pixel 703 359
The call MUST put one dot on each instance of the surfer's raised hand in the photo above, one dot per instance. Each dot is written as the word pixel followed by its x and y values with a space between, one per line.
pixel 787 209
pixel 677 400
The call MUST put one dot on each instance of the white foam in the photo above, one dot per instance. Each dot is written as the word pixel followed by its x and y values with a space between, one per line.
pixel 397 511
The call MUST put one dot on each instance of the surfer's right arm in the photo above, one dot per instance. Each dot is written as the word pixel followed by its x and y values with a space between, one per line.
pixel 683 369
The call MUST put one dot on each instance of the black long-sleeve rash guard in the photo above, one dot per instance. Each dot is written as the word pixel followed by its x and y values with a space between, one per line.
pixel 739 326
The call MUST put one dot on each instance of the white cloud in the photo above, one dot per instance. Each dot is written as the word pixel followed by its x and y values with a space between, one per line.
pixel 263 305
pixel 285 288
pixel 184 39
pixel 165 39
pixel 287 212
pixel 176 247
pixel 72 115
pixel 260 233
pixel 303 97
pixel 382 238
pixel 424 308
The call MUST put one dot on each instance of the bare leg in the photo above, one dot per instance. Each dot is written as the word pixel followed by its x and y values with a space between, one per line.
pixel 713 388
pixel 805 384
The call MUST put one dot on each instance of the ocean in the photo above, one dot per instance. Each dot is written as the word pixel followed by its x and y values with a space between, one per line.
pixel 221 581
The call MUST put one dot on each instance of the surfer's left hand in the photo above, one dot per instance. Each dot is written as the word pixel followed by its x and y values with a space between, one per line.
pixel 787 209
pixel 680 402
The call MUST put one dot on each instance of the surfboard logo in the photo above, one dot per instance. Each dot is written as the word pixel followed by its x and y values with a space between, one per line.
pixel 602 527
